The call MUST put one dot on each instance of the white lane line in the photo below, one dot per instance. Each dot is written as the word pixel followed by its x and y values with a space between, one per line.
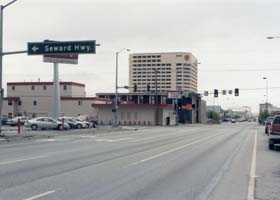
pixel 88 136
pixel 21 160
pixel 40 195
pixel 111 140
pixel 175 149
pixel 251 187
pixel 46 140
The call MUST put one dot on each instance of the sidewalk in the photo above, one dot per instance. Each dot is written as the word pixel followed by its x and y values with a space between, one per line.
pixel 10 133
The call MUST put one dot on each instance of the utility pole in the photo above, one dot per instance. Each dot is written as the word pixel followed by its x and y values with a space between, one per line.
pixel 116 87
pixel 266 102
pixel 156 93
pixel 177 109
pixel 1 60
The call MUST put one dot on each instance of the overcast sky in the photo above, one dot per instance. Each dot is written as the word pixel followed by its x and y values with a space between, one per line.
pixel 227 37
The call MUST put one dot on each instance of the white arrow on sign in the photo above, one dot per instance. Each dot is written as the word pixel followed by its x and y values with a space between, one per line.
pixel 35 48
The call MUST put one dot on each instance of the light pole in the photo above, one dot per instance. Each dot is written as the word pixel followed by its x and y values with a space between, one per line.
pixel 272 37
pixel 177 107
pixel 116 87
pixel 156 93
pixel 1 60
pixel 266 106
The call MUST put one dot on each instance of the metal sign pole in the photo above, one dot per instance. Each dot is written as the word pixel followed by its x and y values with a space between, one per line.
pixel 56 92
pixel 1 64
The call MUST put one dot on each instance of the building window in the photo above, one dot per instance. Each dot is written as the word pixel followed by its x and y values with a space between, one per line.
pixel 13 87
pixel 34 103
pixel 45 87
pixel 64 87
pixel 33 87
pixel 10 103
pixel 128 116
pixel 80 103
pixel 19 103
pixel 135 116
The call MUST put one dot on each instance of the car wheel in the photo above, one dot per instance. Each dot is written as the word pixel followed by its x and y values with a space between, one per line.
pixel 79 126
pixel 59 127
pixel 34 127
pixel 270 145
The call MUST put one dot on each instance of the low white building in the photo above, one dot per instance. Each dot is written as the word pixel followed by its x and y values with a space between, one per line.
pixel 136 114
pixel 34 99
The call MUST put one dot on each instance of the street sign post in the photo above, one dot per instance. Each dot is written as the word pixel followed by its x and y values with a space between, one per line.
pixel 65 47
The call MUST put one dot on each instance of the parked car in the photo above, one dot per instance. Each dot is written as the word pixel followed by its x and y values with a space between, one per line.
pixel 268 124
pixel 88 118
pixel 85 124
pixel 4 119
pixel 14 121
pixel 74 123
pixel 274 132
pixel 46 123
pixel 233 120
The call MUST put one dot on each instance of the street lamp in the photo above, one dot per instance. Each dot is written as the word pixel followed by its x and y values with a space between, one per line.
pixel 272 37
pixel 266 106
pixel 1 60
pixel 116 86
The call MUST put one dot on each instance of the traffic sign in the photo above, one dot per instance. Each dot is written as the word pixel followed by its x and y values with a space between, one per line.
pixel 62 58
pixel 66 47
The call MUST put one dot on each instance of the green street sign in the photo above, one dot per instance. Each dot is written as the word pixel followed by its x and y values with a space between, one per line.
pixel 55 48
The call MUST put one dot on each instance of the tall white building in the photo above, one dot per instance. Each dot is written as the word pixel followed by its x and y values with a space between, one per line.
pixel 166 70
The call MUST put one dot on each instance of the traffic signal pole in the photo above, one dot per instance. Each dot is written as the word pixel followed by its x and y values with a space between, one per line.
pixel 116 92
pixel 1 60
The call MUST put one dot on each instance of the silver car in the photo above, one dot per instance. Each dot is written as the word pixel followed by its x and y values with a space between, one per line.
pixel 46 123
pixel 14 121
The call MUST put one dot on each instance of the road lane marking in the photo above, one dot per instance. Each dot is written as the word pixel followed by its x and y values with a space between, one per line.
pixel 111 140
pixel 88 136
pixel 172 150
pixel 251 187
pixel 21 160
pixel 205 194
pixel 47 140
pixel 40 195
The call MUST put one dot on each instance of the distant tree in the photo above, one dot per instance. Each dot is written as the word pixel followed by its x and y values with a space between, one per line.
pixel 263 116
pixel 213 115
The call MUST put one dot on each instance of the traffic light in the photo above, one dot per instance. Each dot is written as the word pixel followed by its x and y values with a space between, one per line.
pixel 216 93
pixel 148 87
pixel 236 92
pixel 135 88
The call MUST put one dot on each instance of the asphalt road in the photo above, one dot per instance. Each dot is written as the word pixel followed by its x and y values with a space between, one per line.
pixel 215 162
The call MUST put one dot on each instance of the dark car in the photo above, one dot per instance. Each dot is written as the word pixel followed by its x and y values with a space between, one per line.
pixel 267 124
pixel 4 119
pixel 274 132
